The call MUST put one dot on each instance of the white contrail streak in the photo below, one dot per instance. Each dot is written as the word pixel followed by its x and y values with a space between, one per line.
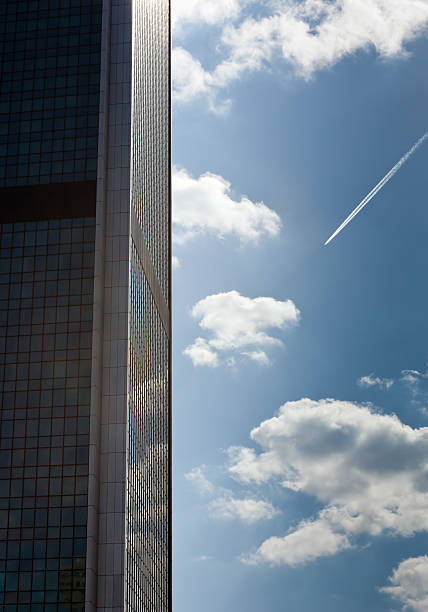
pixel 378 187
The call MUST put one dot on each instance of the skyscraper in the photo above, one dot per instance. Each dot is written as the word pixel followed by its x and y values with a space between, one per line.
pixel 85 326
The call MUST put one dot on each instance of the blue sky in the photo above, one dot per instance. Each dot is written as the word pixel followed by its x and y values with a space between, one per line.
pixel 300 371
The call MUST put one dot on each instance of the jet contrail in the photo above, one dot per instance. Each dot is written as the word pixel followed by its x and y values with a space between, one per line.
pixel 378 187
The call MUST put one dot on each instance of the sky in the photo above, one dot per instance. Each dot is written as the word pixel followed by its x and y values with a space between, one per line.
pixel 300 376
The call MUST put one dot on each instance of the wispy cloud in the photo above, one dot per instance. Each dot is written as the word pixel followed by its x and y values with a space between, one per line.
pixel 197 477
pixel 310 35
pixel 409 584
pixel 204 205
pixel 248 510
pixel 226 506
pixel 369 470
pixel 371 380
pixel 417 383
pixel 203 558
pixel 238 326
pixel 413 378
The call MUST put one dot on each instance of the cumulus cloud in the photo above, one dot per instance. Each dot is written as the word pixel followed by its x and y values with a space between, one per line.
pixel 247 510
pixel 209 12
pixel 198 478
pixel 202 354
pixel 375 381
pixel 204 205
pixel 312 539
pixel 310 35
pixel 190 80
pixel 239 325
pixel 409 584
pixel 369 470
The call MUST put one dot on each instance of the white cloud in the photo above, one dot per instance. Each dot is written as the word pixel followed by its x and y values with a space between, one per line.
pixel 417 383
pixel 198 478
pixel 209 12
pixel 239 325
pixel 413 378
pixel 259 357
pixel 309 35
pixel 204 205
pixel 225 506
pixel 409 584
pixel 175 262
pixel 369 470
pixel 190 80
pixel 410 376
pixel 316 34
pixel 247 510
pixel 312 539
pixel 375 381
pixel 202 354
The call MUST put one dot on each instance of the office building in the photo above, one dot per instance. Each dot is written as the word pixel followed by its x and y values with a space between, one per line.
pixel 85 327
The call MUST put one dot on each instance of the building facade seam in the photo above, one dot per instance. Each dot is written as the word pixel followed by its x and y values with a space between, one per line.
pixel 150 272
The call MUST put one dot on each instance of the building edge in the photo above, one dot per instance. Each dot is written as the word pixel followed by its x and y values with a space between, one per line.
pixel 106 526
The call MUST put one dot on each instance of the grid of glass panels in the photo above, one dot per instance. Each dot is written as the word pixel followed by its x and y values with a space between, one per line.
pixel 147 517
pixel 46 296
pixel 49 90
pixel 147 526
pixel 150 156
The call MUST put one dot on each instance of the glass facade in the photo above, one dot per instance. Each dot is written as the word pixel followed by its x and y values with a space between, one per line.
pixel 84 389
pixel 49 90
pixel 148 501
pixel 148 490
pixel 150 163
pixel 46 289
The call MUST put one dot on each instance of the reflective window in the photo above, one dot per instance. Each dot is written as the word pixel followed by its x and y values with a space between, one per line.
pixel 147 521
pixel 49 90
pixel 46 295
